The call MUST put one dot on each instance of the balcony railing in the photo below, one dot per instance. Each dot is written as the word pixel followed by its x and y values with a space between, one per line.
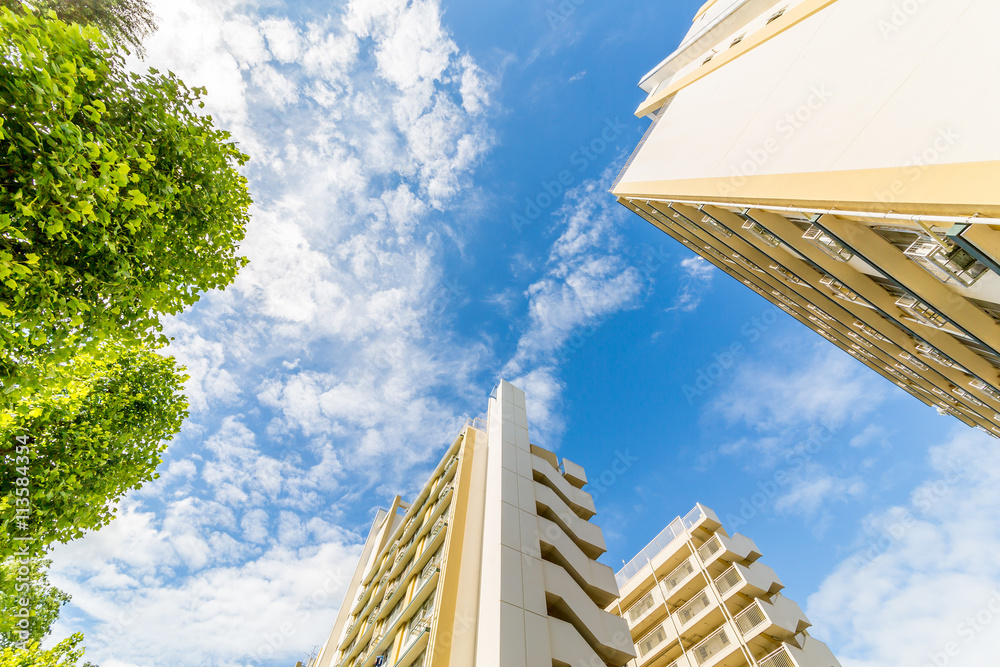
pixel 921 311
pixel 824 242
pixel 649 643
pixel 640 608
pixel 728 580
pixel 945 262
pixel 713 644
pixel 758 230
pixel 710 548
pixel 659 543
pixel 750 618
pixel 674 579
pixel 694 606
pixel 780 658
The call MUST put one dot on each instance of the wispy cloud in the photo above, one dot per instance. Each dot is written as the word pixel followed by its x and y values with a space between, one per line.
pixel 695 284
pixel 587 278
pixel 320 363
pixel 923 588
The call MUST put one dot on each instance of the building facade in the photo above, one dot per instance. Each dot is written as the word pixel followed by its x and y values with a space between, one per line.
pixel 698 597
pixel 493 564
pixel 840 158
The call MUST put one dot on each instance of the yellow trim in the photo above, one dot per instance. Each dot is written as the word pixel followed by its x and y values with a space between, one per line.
pixel 441 645
pixel 704 8
pixel 790 19
pixel 944 189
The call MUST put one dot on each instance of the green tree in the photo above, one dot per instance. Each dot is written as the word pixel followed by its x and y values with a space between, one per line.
pixel 66 653
pixel 29 603
pixel 73 447
pixel 123 21
pixel 118 202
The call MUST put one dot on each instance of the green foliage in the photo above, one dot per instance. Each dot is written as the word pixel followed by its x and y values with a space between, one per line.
pixel 92 431
pixel 66 653
pixel 123 21
pixel 118 202
pixel 25 588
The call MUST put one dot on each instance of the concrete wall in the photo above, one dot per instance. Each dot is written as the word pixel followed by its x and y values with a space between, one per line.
pixel 861 84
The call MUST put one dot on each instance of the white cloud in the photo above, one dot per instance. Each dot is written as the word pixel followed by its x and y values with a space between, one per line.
pixel 814 489
pixel 697 280
pixel 587 279
pixel 918 592
pixel 283 39
pixel 788 387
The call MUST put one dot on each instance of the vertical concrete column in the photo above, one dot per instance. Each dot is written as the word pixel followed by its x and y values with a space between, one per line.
pixel 513 622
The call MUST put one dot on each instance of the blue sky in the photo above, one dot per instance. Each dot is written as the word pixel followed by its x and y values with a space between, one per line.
pixel 431 214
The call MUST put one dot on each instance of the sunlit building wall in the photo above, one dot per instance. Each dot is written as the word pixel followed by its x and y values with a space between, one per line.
pixel 841 159
pixel 493 564
pixel 698 597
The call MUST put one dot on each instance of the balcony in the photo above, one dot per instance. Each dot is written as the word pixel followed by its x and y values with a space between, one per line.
pixel 922 312
pixel 819 238
pixel 717 648
pixel 657 643
pixel 720 549
pixel 841 291
pixel 758 231
pixel 755 581
pixel 645 612
pixel 677 530
pixel 715 223
pixel 764 622
pixel 813 653
pixel 683 582
pixel 694 608
pixel 945 262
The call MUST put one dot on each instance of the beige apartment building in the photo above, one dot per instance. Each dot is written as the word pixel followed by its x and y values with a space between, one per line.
pixel 493 564
pixel 698 597
pixel 841 159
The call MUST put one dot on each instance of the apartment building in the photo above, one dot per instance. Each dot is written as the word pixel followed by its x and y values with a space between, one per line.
pixel 840 159
pixel 698 597
pixel 493 564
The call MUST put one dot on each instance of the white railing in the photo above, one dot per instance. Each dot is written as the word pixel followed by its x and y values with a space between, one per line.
pixel 651 641
pixel 780 658
pixel 674 579
pixel 710 548
pixel 660 542
pixel 639 609
pixel 712 645
pixel 694 606
pixel 750 618
pixel 728 580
